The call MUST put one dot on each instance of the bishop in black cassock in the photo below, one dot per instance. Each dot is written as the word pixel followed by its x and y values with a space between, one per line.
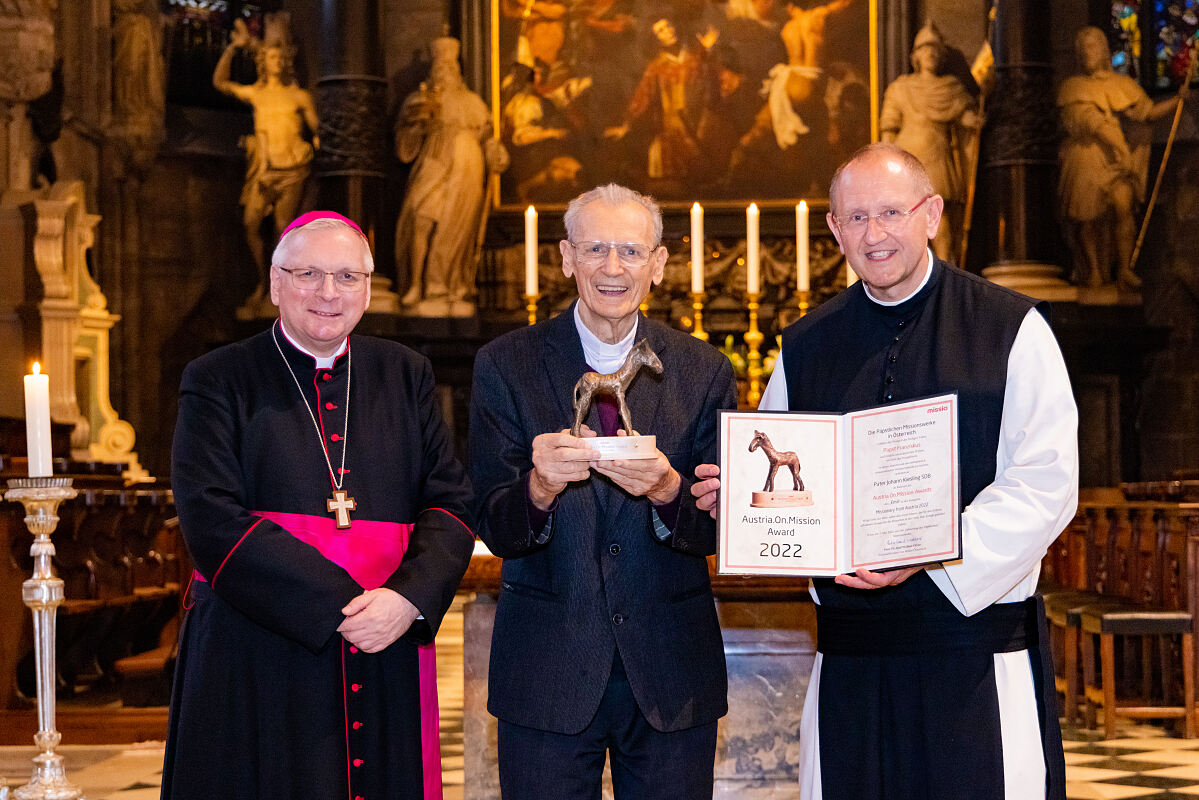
pixel 291 681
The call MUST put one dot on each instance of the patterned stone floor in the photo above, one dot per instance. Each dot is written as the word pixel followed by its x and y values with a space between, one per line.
pixel 1144 763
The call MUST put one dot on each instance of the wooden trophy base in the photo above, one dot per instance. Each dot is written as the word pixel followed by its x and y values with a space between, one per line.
pixel 628 447
pixel 790 499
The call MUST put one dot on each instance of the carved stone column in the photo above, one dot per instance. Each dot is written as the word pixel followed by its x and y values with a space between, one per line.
pixel 26 61
pixel 1019 156
pixel 351 97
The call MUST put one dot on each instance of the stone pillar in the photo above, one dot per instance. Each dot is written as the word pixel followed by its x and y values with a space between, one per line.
pixel 351 97
pixel 1019 157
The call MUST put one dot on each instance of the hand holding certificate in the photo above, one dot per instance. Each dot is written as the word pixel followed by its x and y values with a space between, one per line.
pixel 879 489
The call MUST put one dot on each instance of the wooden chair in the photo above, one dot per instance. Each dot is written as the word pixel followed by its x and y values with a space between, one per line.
pixel 1147 563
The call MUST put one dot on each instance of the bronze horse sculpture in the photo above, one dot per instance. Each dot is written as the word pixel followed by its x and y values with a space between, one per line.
pixel 614 384
pixel 777 460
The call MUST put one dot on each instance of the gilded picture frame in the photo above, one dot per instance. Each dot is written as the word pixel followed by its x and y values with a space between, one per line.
pixel 724 103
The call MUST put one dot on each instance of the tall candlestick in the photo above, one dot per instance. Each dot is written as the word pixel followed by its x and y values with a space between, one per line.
pixel 37 422
pixel 531 251
pixel 751 249
pixel 697 248
pixel 802 277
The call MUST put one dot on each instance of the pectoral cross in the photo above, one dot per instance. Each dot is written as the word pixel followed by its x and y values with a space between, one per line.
pixel 341 505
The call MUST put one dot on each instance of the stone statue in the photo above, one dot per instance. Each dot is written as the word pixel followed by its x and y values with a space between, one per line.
pixel 933 117
pixel 445 129
pixel 614 384
pixel 1104 161
pixel 279 154
pixel 138 81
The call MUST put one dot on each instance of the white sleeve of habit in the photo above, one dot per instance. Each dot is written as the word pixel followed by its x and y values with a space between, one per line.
pixel 1009 526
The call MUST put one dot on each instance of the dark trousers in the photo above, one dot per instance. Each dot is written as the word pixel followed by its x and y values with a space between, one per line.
pixel 646 764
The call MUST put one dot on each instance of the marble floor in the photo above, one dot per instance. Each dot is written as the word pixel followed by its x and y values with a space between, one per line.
pixel 1144 763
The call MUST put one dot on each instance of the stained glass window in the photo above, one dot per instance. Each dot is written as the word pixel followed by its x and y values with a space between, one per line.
pixel 1126 35
pixel 1175 24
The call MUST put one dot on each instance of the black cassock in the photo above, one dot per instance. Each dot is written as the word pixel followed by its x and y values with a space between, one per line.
pixel 269 701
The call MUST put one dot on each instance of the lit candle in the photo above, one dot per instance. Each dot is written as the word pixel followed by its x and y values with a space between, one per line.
pixel 531 251
pixel 751 248
pixel 801 246
pixel 37 422
pixel 697 248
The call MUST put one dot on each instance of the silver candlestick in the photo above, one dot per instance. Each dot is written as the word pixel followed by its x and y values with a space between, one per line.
pixel 43 595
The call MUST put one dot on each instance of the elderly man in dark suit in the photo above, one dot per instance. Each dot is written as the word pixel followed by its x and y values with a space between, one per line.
pixel 606 639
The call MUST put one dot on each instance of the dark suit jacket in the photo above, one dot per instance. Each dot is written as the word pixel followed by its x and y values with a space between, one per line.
pixel 601 579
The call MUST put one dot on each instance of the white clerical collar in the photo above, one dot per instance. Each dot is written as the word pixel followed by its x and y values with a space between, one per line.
pixel 321 361
pixel 601 356
pixel 928 273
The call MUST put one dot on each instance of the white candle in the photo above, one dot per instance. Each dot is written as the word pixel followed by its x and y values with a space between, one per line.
pixel 801 246
pixel 530 251
pixel 37 422
pixel 697 248
pixel 751 248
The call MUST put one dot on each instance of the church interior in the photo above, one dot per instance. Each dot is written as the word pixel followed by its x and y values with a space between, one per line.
pixel 151 152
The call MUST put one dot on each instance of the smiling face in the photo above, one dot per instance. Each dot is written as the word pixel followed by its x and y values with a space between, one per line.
pixel 319 319
pixel 609 292
pixel 892 263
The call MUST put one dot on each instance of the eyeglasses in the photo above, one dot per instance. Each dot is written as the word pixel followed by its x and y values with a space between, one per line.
pixel 311 279
pixel 888 219
pixel 630 254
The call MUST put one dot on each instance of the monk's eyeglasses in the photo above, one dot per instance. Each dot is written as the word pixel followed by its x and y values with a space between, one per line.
pixel 888 219
pixel 630 254
pixel 307 280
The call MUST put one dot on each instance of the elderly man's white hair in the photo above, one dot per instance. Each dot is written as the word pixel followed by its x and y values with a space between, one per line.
pixel 282 256
pixel 612 194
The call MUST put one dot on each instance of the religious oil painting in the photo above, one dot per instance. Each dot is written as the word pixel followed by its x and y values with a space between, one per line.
pixel 720 102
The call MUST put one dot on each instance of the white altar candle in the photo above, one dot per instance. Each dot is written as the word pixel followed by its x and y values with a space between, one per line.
pixel 697 248
pixel 530 251
pixel 801 246
pixel 751 248
pixel 37 422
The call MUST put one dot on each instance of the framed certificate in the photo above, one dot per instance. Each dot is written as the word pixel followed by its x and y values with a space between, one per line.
pixel 825 494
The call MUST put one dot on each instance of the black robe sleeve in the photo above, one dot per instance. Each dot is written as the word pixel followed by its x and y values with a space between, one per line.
pixel 441 542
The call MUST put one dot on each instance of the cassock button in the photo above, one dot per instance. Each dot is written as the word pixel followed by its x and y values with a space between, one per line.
pixel 618 619
pixel 356 686
pixel 353 649
pixel 895 340
pixel 903 322
pixel 889 397
pixel 892 359
pixel 342 470
pixel 357 724
pixel 358 762
pixel 890 379
pixel 335 437
pixel 329 406
pixel 614 549
pixel 326 376
pixel 358 797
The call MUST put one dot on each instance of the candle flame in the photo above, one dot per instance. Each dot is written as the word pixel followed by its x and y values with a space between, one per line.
pixel 37 368
pixel 803 205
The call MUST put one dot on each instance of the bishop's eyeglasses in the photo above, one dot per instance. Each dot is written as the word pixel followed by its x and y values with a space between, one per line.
pixel 888 219
pixel 631 254
pixel 308 280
